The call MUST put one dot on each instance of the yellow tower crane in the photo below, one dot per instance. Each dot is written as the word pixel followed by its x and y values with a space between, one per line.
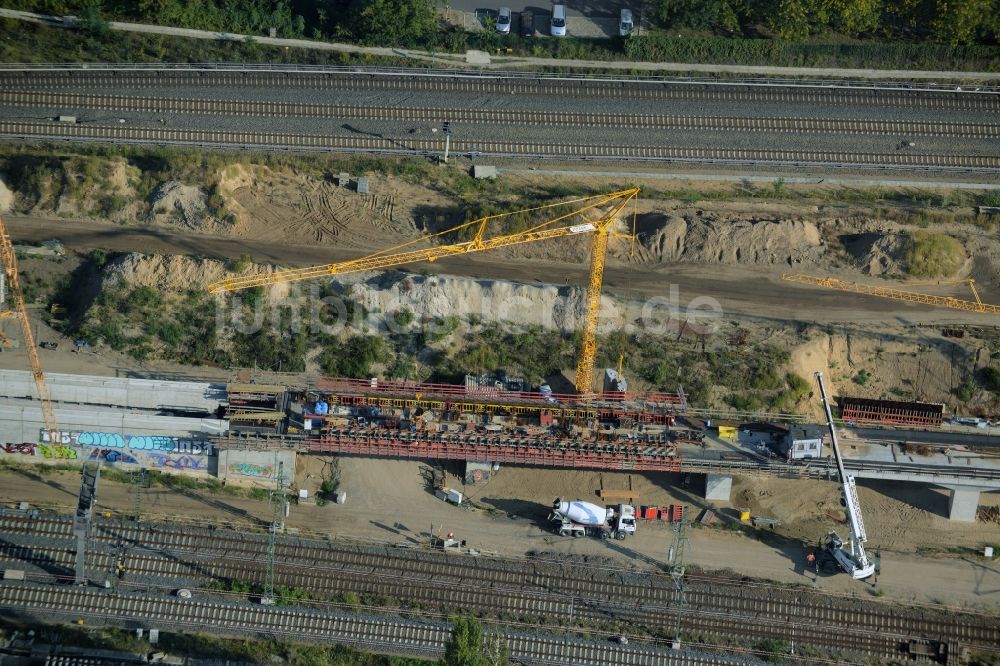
pixel 9 260
pixel 601 228
pixel 901 295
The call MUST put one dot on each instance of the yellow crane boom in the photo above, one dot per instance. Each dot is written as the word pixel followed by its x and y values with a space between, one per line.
pixel 9 260
pixel 899 294
pixel 601 228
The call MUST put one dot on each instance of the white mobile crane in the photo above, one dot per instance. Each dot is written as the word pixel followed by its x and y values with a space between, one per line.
pixel 853 559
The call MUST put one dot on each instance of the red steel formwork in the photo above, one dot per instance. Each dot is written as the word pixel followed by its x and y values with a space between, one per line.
pixel 459 393
pixel 891 411
pixel 518 452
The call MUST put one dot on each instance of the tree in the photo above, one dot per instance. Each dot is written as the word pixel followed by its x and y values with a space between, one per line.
pixel 853 17
pixel 960 21
pixel 466 645
pixel 791 19
pixel 469 647
pixel 92 21
pixel 701 14
pixel 991 379
pixel 496 650
pixel 392 22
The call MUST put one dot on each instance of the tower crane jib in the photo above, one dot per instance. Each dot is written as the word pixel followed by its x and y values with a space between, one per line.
pixel 602 230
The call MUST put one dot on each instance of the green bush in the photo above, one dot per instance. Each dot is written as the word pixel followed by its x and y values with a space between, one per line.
pixel 403 317
pixel 933 255
pixel 241 264
pixel 991 379
pixel 668 47
pixel 861 378
pixel 966 390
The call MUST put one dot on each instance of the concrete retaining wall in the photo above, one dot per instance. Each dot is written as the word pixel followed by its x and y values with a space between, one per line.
pixel 255 467
pixel 198 464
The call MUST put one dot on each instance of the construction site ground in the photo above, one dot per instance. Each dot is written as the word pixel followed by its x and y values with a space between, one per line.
pixel 391 501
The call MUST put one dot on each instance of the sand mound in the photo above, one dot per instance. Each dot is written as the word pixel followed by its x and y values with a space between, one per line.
pixel 163 273
pixel 6 196
pixel 174 201
pixel 176 274
pixel 440 296
pixel 877 253
pixel 721 239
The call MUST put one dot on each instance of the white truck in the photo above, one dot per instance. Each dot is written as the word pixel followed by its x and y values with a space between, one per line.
pixel 579 518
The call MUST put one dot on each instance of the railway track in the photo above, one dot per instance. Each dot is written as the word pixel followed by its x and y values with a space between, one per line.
pixel 394 635
pixel 26 131
pixel 558 593
pixel 492 117
pixel 505 84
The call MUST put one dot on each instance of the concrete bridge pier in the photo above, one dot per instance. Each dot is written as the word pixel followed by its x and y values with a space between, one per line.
pixel 718 487
pixel 963 503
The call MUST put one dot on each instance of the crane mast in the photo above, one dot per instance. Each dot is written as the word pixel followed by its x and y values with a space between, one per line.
pixel 854 561
pixel 9 260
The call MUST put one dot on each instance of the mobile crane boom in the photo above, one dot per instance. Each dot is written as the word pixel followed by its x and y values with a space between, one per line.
pixel 854 561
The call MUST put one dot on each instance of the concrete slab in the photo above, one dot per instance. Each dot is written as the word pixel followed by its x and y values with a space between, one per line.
pixel 476 471
pixel 718 487
pixel 473 57
pixel 151 394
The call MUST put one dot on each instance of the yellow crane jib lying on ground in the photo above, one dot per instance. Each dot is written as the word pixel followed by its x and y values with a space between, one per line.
pixel 601 228
pixel 9 260
pixel 901 295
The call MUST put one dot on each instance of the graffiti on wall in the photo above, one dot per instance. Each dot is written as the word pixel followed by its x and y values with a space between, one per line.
pixel 44 450
pixel 57 452
pixel 250 469
pixel 112 456
pixel 186 463
pixel 137 442
pixel 24 449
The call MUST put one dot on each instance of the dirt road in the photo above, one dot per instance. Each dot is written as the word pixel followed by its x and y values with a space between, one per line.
pixel 741 291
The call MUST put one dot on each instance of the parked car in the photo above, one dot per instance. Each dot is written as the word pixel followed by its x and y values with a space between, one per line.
pixel 625 24
pixel 503 21
pixel 557 28
pixel 527 23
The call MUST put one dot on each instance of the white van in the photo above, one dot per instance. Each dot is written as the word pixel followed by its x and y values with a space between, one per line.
pixel 625 24
pixel 558 26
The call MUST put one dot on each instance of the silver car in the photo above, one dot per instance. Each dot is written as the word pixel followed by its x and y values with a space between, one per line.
pixel 503 21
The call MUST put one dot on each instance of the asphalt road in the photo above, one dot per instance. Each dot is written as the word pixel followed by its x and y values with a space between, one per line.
pixel 740 291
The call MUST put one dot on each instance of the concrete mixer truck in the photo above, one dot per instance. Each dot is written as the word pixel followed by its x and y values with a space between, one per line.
pixel 578 518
